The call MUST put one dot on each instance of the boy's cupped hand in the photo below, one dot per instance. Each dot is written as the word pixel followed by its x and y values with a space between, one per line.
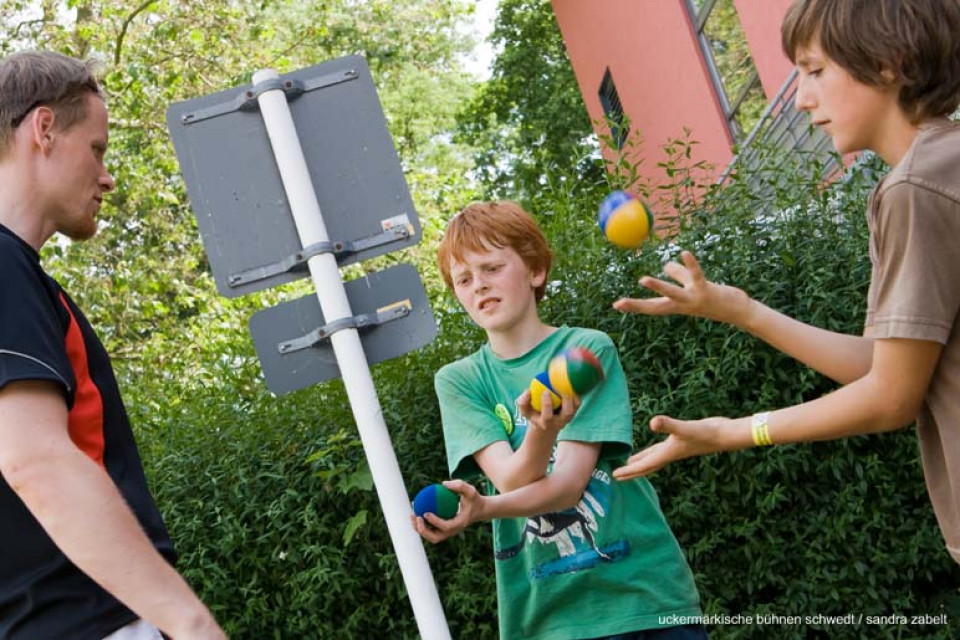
pixel 435 529
pixel 685 439
pixel 547 419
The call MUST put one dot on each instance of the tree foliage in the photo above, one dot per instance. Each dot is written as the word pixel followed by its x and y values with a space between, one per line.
pixel 528 121
pixel 145 273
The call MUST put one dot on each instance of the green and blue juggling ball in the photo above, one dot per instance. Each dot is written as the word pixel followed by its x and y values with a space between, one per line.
pixel 436 499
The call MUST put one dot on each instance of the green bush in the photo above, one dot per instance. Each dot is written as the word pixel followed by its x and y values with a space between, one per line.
pixel 270 503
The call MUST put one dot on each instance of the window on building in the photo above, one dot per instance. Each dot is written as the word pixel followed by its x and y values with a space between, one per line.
pixel 613 110
pixel 731 66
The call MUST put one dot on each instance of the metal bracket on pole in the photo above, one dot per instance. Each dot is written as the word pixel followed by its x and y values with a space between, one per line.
pixel 394 311
pixel 247 101
pixel 300 258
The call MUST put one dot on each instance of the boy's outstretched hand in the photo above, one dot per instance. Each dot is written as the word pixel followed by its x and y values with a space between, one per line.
pixel 685 439
pixel 433 528
pixel 695 295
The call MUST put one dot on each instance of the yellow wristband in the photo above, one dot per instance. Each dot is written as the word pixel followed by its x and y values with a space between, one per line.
pixel 761 429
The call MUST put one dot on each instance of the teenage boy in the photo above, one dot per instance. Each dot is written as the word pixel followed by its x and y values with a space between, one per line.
pixel 880 76
pixel 85 554
pixel 577 555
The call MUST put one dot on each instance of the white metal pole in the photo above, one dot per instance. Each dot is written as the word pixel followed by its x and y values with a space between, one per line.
pixel 353 363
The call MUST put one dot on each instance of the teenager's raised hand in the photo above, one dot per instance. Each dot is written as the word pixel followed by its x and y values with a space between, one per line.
pixel 685 439
pixel 692 295
pixel 547 419
pixel 435 529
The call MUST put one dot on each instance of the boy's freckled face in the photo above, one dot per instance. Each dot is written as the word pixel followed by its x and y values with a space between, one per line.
pixel 853 114
pixel 496 288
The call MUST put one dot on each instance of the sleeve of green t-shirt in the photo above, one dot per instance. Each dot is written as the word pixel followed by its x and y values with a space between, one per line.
pixel 468 423
pixel 605 414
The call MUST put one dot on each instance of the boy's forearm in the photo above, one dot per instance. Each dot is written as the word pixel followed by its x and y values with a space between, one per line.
pixel 862 407
pixel 549 494
pixel 841 357
pixel 887 398
pixel 524 466
pixel 560 490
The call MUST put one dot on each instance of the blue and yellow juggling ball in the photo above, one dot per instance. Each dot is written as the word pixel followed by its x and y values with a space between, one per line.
pixel 436 499
pixel 537 386
pixel 572 373
pixel 625 220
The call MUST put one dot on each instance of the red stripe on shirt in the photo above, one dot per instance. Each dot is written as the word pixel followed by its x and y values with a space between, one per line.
pixel 85 420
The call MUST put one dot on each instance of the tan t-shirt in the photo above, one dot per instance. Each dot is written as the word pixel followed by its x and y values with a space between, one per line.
pixel 914 220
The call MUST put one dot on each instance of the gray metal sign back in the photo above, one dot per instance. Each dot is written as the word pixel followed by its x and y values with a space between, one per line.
pixel 294 356
pixel 236 191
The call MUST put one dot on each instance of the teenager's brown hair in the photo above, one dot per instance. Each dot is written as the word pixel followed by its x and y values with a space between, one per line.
pixel 30 79
pixel 917 40
pixel 502 225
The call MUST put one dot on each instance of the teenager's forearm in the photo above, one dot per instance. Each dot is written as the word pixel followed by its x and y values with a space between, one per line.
pixel 84 514
pixel 551 493
pixel 526 465
pixel 861 407
pixel 838 356
pixel 562 489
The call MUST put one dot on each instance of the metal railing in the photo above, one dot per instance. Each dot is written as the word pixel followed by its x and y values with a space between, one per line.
pixel 783 127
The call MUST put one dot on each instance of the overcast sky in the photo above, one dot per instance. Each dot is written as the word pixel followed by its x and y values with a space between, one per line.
pixel 479 62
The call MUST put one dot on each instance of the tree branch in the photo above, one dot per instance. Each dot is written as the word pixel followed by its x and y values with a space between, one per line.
pixel 118 48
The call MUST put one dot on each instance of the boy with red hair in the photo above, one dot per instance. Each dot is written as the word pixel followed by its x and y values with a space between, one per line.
pixel 577 555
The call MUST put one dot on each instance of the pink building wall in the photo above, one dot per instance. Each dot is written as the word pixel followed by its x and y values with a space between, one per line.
pixel 761 20
pixel 651 49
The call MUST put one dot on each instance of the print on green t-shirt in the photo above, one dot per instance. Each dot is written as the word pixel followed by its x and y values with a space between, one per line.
pixel 608 565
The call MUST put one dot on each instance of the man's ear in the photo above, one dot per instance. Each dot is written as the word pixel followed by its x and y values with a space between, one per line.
pixel 42 127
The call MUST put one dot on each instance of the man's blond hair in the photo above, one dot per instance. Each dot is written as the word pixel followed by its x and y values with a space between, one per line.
pixel 30 79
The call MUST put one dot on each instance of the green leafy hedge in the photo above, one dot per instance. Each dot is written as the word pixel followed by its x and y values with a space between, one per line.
pixel 270 503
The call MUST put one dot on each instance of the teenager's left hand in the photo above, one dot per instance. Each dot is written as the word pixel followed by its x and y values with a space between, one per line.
pixel 548 420
pixel 435 529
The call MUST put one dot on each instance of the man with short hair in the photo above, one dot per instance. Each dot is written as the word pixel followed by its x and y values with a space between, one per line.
pixel 86 555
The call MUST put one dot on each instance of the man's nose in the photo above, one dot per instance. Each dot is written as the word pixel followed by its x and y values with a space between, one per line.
pixel 107 183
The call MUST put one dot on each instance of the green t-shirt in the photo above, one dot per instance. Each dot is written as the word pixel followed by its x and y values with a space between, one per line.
pixel 609 566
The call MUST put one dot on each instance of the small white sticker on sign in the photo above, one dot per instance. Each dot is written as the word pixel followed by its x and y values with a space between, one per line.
pixel 396 221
